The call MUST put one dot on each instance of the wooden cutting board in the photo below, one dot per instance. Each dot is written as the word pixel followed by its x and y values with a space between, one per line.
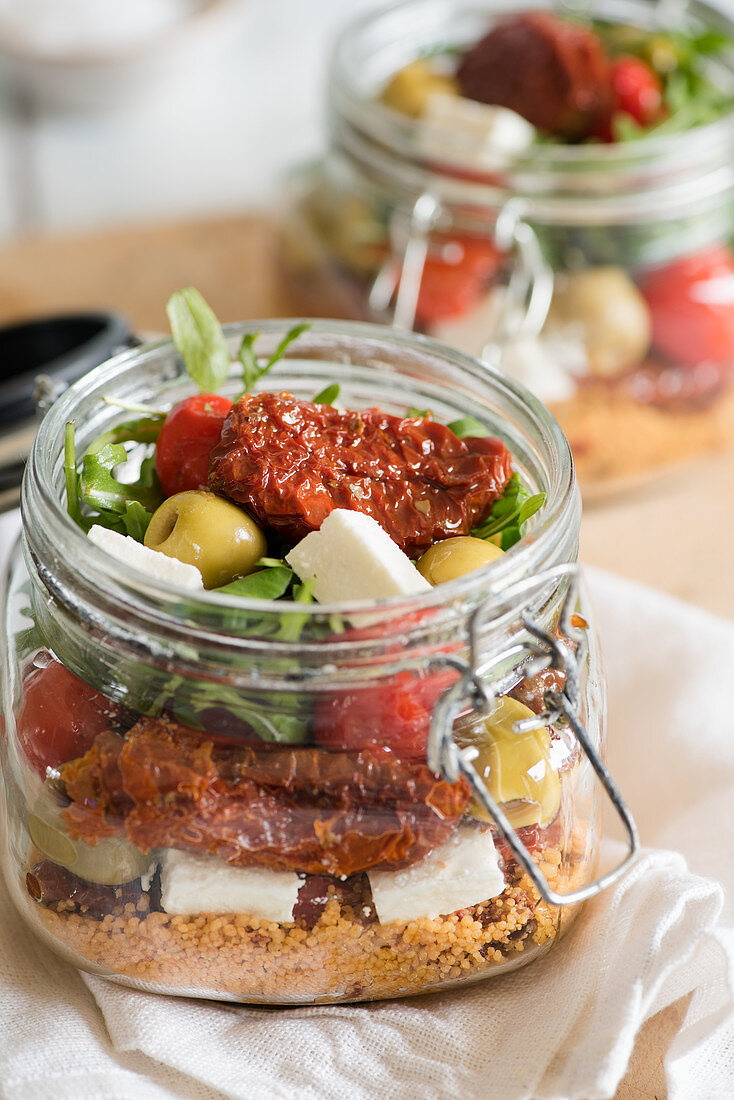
pixel 676 534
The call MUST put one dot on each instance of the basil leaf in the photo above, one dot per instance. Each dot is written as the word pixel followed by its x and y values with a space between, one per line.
pixel 269 583
pixel 327 396
pixel 467 426
pixel 199 338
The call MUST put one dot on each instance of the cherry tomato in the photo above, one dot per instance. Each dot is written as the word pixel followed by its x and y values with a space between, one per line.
pixel 637 89
pixel 60 716
pixel 637 92
pixel 395 714
pixel 692 306
pixel 188 434
pixel 456 278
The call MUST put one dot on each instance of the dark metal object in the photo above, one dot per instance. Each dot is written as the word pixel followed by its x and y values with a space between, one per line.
pixel 38 360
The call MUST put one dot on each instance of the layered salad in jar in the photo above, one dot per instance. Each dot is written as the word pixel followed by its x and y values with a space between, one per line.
pixel 567 113
pixel 275 851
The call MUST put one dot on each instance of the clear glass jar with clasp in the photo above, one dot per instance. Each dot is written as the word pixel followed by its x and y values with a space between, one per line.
pixel 182 810
pixel 426 226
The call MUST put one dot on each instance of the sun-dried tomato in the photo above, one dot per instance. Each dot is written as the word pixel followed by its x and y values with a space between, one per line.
pixel 552 71
pixel 291 462
pixel 289 809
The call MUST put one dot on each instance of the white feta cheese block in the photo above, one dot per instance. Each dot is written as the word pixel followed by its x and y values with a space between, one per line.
pixel 351 557
pixel 481 132
pixel 462 872
pixel 541 367
pixel 158 566
pixel 193 883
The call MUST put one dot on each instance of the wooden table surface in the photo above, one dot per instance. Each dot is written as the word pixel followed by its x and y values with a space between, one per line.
pixel 676 534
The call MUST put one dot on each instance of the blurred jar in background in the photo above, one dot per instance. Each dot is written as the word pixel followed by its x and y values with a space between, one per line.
pixel 461 134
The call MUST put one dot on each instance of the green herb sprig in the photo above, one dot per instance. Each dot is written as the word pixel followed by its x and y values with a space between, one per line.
pixel 509 514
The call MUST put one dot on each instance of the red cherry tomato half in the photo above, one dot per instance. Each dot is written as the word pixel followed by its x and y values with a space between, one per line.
pixel 456 278
pixel 636 91
pixel 188 434
pixel 692 306
pixel 394 714
pixel 60 716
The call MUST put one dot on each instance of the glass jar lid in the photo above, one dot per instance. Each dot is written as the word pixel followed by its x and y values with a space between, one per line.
pixel 650 179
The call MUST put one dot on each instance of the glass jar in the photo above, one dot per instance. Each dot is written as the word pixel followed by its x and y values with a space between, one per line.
pixel 419 225
pixel 182 810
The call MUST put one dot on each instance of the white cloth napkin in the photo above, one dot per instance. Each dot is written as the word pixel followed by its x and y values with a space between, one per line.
pixel 563 1027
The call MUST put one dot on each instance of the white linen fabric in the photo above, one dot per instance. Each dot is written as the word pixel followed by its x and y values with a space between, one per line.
pixel 563 1027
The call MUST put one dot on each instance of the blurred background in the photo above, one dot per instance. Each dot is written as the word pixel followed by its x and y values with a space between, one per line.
pixel 156 109
pixel 142 148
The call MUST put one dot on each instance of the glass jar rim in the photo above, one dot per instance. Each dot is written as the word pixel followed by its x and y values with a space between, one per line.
pixel 84 560
pixel 586 175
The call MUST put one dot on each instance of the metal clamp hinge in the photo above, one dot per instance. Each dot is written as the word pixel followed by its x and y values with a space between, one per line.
pixel 564 652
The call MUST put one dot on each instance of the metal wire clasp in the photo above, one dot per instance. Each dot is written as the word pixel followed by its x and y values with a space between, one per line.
pixel 563 651
pixel 526 298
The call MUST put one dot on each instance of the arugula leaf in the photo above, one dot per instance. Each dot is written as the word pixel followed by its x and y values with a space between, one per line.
pixel 252 372
pixel 246 355
pixel 327 396
pixel 144 430
pixel 468 425
pixel 414 413
pixel 125 507
pixel 265 713
pixel 199 338
pixel 135 520
pixel 100 489
pixel 293 624
pixel 70 474
pixel 513 509
pixel 269 583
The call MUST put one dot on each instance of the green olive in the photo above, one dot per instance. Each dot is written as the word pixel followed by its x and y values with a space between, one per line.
pixel 209 532
pixel 515 767
pixel 408 90
pixel 111 861
pixel 452 558
pixel 604 308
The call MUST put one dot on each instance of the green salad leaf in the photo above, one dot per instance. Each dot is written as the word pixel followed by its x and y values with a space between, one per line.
pixel 327 396
pixel 199 338
pixel 467 426
pixel 513 509
pixel 123 506
pixel 252 372
pixel 268 583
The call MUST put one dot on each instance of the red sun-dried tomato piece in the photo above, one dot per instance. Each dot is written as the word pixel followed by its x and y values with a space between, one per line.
pixel 291 462
pixel 553 72
pixel 286 808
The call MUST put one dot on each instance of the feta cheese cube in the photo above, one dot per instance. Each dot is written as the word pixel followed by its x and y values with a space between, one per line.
pixel 192 883
pixel 485 133
pixel 462 872
pixel 351 557
pixel 158 566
